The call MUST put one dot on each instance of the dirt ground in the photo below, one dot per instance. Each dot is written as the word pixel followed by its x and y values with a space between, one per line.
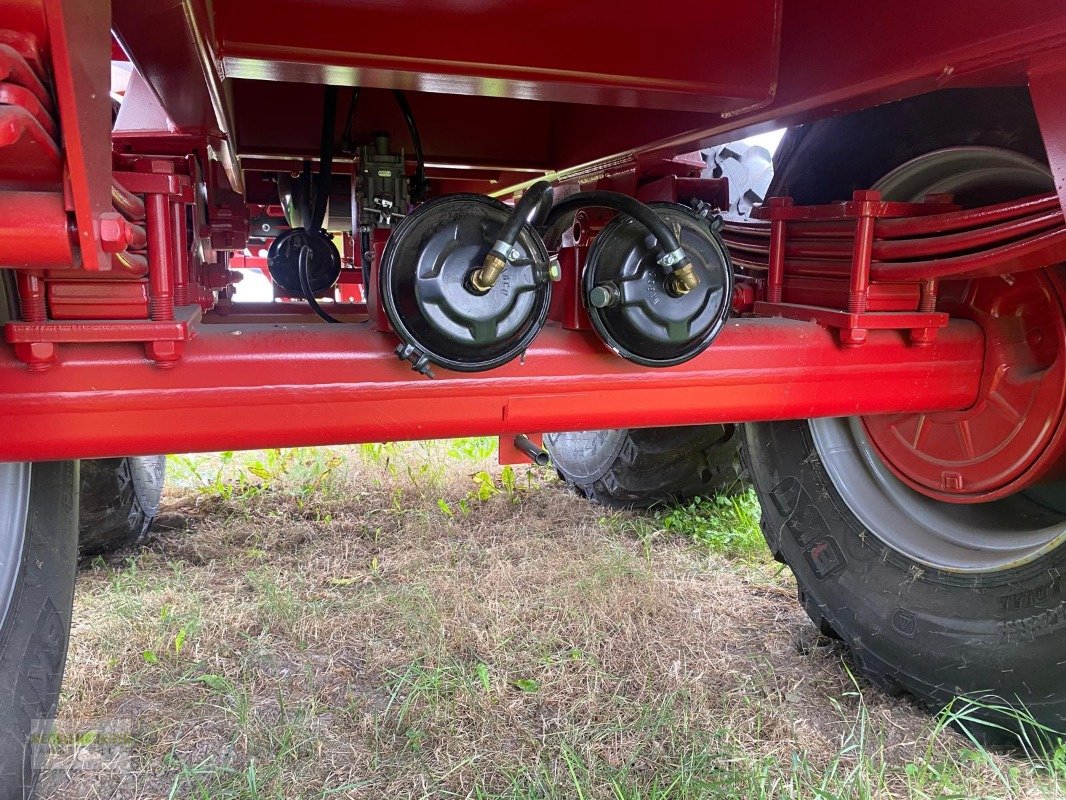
pixel 417 622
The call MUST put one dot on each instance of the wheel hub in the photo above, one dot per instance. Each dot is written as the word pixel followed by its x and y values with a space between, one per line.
pixel 1011 438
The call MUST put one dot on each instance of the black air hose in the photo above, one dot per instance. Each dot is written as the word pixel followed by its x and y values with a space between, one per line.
pixel 530 209
pixel 627 205
pixel 325 165
pixel 313 222
pixel 420 183
pixel 533 205
pixel 305 284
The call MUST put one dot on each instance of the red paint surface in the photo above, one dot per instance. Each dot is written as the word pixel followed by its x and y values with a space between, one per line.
pixel 283 385
pixel 504 93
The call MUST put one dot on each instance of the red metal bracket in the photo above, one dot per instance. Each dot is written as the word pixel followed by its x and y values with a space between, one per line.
pixel 508 453
pixel 1047 87
pixel 80 39
pixel 855 319
pixel 159 178
pixel 35 342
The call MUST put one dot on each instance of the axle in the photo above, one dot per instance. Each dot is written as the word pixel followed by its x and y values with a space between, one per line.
pixel 285 385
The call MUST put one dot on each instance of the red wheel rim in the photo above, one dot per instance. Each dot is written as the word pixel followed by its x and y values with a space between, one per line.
pixel 1012 437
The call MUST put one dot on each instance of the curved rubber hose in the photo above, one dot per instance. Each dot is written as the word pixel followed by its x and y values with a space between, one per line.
pixel 619 202
pixel 530 209
pixel 305 285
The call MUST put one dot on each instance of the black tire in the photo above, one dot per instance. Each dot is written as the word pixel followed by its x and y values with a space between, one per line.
pixel 119 500
pixel 36 628
pixel 829 159
pixel 934 633
pixel 642 467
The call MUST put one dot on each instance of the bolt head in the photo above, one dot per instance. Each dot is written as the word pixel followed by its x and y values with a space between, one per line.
pixel 602 296
pixel 37 355
pixel 555 271
pixel 112 232
pixel 164 353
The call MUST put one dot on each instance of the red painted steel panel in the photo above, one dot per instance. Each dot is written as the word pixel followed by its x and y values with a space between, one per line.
pixel 836 56
pixel 596 51
pixel 284 385
pixel 1047 84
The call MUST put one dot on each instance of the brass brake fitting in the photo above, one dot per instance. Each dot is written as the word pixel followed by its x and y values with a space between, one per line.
pixel 684 279
pixel 485 278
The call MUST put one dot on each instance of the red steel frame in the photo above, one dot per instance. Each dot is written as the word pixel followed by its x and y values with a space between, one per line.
pixel 291 385
pixel 155 379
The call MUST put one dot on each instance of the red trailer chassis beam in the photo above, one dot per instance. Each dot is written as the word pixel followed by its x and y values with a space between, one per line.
pixel 286 385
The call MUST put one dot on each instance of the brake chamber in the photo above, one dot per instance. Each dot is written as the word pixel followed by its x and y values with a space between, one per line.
pixel 467 282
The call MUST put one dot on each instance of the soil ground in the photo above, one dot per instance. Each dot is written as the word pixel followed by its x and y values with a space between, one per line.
pixel 414 621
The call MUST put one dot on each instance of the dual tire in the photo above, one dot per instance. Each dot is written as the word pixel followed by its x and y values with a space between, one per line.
pixel 119 501
pixel 644 467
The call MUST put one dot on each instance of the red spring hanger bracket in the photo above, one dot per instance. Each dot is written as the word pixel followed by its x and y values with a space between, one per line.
pixel 36 337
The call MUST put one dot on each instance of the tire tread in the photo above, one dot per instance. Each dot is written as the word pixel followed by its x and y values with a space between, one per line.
pixel 661 465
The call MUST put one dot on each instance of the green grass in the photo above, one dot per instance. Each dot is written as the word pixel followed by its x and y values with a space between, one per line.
pixel 728 524
pixel 412 620
pixel 304 471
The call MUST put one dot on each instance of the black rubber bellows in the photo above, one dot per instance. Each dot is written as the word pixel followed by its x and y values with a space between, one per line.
pixel 425 286
pixel 628 299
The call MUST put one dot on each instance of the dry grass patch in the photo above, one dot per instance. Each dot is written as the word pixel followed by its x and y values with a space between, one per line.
pixel 413 621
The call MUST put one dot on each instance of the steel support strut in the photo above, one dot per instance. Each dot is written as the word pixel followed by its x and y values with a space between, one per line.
pixel 286 385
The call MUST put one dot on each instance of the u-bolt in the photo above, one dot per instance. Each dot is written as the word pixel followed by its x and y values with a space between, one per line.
pixel 160 253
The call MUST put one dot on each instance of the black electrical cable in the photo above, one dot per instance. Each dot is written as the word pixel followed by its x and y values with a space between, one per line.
pixel 305 284
pixel 314 208
pixel 419 185
pixel 530 209
pixel 365 259
pixel 619 202
pixel 347 135
pixel 325 165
